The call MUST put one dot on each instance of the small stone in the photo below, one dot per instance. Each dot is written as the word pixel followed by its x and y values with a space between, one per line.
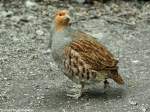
pixel 16 18
pixel 39 32
pixel 34 56
pixel 115 8
pixel 63 110
pixel 6 13
pixel 30 4
pixel 53 64
pixel 24 19
pixel 38 98
pixel 5 78
pixel 26 94
pixel 132 102
pixel 143 108
pixel 30 17
pixel 135 61
pixel 48 51
pixel 80 1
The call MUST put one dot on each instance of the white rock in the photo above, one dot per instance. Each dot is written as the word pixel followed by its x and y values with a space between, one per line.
pixel 132 102
pixel 39 32
pixel 30 17
pixel 6 13
pixel 30 4
pixel 80 1
pixel 54 66
pixel 48 51
pixel 5 78
pixel 135 61
pixel 16 18
pixel 143 108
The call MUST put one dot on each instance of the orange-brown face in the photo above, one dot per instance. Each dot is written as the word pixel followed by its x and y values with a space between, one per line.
pixel 62 18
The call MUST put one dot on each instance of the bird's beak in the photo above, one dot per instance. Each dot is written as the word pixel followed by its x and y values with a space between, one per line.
pixel 67 18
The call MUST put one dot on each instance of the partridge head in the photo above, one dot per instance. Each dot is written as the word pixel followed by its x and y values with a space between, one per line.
pixel 80 56
pixel 62 19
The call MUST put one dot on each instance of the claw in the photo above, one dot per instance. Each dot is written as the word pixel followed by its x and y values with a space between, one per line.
pixel 75 96
pixel 76 91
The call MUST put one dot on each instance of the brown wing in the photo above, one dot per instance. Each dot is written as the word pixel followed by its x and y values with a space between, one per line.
pixel 92 52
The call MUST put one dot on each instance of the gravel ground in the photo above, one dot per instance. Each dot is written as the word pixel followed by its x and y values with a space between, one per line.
pixel 30 80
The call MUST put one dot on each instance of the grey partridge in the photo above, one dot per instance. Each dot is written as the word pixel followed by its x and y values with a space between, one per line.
pixel 80 56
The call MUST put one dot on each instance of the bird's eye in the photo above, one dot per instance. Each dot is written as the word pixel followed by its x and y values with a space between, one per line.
pixel 60 14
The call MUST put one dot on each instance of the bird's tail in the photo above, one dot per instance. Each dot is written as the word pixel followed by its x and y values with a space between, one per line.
pixel 116 77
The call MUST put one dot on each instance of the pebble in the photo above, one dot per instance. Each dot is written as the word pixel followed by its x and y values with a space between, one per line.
pixel 135 61
pixel 6 13
pixel 132 102
pixel 80 1
pixel 30 4
pixel 63 110
pixel 16 18
pixel 53 65
pixel 144 108
pixel 5 78
pixel 115 8
pixel 31 17
pixel 39 32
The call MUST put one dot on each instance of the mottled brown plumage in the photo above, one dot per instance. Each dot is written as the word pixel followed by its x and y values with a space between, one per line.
pixel 85 60
pixel 84 51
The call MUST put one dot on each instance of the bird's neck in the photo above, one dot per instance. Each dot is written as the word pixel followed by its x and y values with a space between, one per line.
pixel 61 27
pixel 61 36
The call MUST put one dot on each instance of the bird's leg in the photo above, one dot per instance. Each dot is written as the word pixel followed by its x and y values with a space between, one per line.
pixel 76 91
pixel 106 84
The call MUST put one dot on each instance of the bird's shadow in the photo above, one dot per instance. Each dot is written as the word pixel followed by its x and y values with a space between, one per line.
pixel 111 93
pixel 59 98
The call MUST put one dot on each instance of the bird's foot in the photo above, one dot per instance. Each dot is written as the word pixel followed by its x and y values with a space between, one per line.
pixel 75 92
pixel 74 95
pixel 106 85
